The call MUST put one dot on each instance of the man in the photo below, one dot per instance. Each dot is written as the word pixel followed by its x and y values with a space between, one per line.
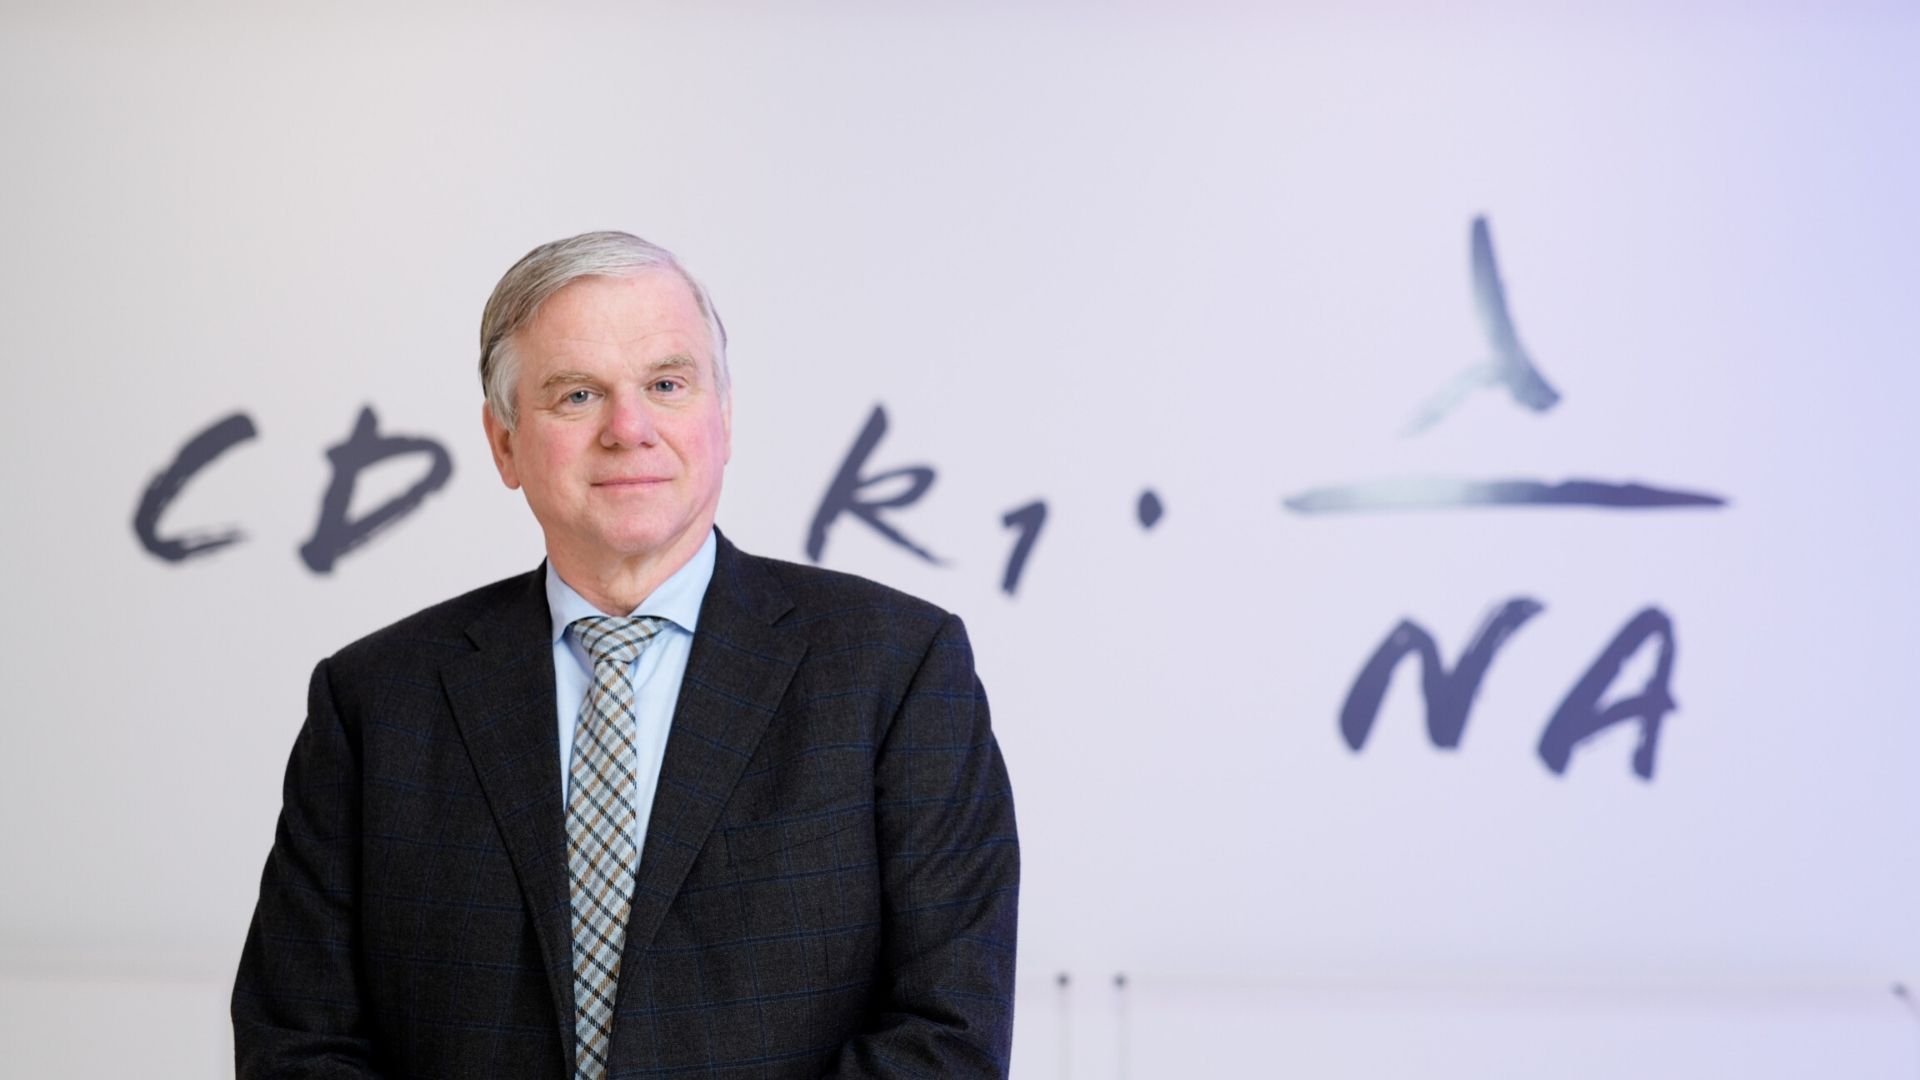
pixel 659 808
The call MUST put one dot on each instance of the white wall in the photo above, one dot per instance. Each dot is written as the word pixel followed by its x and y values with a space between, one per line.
pixel 1075 253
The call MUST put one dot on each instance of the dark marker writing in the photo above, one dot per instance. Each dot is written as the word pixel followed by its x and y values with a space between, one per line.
pixel 844 493
pixel 1027 519
pixel 1149 510
pixel 1449 694
pixel 222 435
pixel 1580 717
pixel 334 535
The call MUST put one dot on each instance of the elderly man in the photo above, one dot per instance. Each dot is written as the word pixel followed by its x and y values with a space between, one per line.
pixel 658 808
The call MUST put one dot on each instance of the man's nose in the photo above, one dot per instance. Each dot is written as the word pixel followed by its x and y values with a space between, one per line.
pixel 629 422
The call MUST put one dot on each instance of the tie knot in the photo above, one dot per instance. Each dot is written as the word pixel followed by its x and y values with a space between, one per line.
pixel 612 639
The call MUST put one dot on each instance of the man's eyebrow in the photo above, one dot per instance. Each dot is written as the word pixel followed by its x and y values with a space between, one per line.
pixel 560 377
pixel 675 362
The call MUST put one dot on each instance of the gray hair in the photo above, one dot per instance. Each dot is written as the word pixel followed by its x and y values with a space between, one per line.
pixel 551 267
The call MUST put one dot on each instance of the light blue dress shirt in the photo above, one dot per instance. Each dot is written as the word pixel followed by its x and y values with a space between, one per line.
pixel 654 675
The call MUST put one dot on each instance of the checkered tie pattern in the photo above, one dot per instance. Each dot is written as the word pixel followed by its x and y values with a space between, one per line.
pixel 601 855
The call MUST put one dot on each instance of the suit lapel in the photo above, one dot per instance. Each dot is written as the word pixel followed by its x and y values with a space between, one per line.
pixel 736 675
pixel 503 702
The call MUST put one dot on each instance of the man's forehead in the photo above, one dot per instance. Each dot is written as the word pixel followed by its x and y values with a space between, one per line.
pixel 651 311
pixel 648 297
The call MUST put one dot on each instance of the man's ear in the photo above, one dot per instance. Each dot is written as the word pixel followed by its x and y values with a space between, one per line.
pixel 500 441
pixel 726 424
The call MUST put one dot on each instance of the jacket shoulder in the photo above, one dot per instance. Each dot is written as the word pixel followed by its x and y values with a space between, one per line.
pixel 832 598
pixel 441 629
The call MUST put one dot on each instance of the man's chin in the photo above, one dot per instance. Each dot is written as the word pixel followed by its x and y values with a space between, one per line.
pixel 639 545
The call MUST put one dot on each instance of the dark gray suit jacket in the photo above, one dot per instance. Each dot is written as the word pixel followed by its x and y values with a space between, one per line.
pixel 827 887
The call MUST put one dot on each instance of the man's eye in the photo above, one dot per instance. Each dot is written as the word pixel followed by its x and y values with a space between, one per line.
pixel 666 386
pixel 579 397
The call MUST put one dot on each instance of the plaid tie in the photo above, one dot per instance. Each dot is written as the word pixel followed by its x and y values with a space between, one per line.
pixel 601 856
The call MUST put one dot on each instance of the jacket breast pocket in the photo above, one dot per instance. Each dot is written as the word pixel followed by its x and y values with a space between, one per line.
pixel 807 836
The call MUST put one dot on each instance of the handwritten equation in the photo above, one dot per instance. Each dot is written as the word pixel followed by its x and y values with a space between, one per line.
pixel 876 497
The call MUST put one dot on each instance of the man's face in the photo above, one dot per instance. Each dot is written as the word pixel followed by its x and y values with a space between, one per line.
pixel 623 434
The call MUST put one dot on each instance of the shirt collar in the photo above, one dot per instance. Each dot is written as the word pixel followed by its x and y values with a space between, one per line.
pixel 677 599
